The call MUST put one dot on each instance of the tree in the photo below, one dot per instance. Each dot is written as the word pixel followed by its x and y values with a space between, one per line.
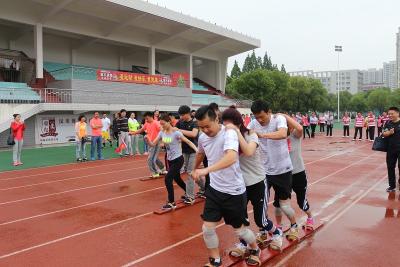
pixel 283 68
pixel 259 63
pixel 236 72
pixel 267 64
pixel 395 98
pixel 247 65
pixel 252 85
pixel 378 99
pixel 345 98
pixel 358 103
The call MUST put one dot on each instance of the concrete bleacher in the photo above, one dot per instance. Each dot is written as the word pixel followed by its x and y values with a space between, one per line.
pixel 204 99
pixel 11 92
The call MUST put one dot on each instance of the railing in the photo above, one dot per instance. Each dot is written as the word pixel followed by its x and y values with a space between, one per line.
pixel 74 73
pixel 55 95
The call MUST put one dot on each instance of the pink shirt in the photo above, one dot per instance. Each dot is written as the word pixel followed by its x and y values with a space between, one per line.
pixel 96 122
pixel 152 130
pixel 305 121
pixel 371 121
pixel 346 121
pixel 359 121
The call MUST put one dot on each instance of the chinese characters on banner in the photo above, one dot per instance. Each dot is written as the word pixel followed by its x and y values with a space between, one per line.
pixel 173 80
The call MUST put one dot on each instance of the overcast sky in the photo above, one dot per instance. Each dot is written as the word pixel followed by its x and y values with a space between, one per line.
pixel 302 33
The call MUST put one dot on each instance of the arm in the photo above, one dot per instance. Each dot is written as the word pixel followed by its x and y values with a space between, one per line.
pixel 295 125
pixel 229 158
pixel 388 133
pixel 191 134
pixel 278 135
pixel 187 141
pixel 152 144
pixel 248 149
pixel 199 160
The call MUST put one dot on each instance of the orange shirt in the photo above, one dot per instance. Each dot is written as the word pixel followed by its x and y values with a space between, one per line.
pixel 152 130
pixel 96 122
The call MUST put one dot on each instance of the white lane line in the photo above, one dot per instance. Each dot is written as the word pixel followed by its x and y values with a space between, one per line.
pixel 199 234
pixel 81 206
pixel 70 179
pixel 336 215
pixel 69 170
pixel 68 191
pixel 106 226
pixel 72 236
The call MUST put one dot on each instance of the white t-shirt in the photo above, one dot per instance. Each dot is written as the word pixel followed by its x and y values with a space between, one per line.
pixel 106 124
pixel 228 180
pixel 251 166
pixel 274 153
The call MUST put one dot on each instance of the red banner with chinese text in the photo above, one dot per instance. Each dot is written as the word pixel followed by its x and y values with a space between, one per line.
pixel 174 80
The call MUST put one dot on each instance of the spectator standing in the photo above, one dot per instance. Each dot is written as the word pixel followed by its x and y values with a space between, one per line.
pixel 123 132
pixel 80 137
pixel 392 133
pixel 133 126
pixel 105 131
pixel 17 128
pixel 346 120
pixel 313 123
pixel 96 125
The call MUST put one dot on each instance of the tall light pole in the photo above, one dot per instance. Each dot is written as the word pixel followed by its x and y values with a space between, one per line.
pixel 338 49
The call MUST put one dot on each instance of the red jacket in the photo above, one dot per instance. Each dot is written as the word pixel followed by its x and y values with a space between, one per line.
pixel 18 130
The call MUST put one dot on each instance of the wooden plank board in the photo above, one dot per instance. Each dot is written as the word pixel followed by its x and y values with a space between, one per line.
pixel 268 254
pixel 179 205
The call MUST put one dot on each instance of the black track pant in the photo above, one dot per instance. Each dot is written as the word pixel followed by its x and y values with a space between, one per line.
pixel 392 157
pixel 257 194
pixel 174 174
pixel 329 130
pixel 313 126
pixel 346 130
pixel 322 128
pixel 305 130
pixel 358 130
pixel 371 130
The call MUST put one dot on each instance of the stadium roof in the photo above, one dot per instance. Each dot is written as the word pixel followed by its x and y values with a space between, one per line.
pixel 133 22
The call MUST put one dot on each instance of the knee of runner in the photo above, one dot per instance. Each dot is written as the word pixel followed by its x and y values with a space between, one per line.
pixel 245 234
pixel 210 237
pixel 286 208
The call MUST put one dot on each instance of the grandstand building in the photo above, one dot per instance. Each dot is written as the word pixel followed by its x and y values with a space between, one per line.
pixel 61 58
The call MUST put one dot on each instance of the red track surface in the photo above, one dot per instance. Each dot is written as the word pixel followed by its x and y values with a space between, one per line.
pixel 100 214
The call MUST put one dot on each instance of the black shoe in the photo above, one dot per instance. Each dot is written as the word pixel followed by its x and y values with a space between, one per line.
pixel 213 263
pixel 84 159
pixel 79 160
pixel 188 201
pixel 169 206
pixel 391 189
pixel 201 194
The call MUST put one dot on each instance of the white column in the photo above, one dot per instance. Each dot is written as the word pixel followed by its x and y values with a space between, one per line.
pixel 11 44
pixel 152 60
pixel 38 44
pixel 73 57
pixel 190 70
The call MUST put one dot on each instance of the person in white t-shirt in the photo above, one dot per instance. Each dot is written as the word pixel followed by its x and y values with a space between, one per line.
pixel 272 131
pixel 105 131
pixel 226 195
pixel 256 185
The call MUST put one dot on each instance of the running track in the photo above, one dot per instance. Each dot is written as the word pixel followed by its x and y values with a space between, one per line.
pixel 100 214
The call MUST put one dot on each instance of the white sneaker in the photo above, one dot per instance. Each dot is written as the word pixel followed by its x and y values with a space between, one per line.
pixel 239 251
pixel 276 241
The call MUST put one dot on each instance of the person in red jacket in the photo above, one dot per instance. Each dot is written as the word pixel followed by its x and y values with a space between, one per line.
pixel 17 128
